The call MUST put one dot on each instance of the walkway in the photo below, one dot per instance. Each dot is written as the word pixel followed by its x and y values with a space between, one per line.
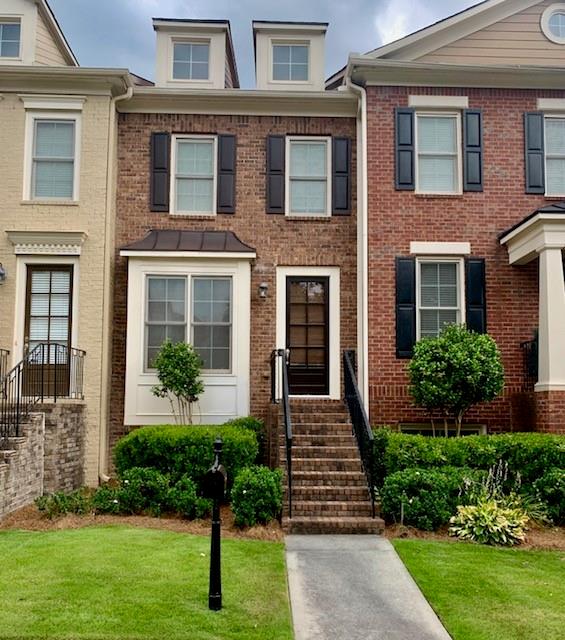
pixel 355 588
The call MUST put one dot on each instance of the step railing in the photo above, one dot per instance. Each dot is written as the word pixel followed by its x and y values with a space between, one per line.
pixel 50 371
pixel 280 394
pixel 530 360
pixel 4 359
pixel 360 422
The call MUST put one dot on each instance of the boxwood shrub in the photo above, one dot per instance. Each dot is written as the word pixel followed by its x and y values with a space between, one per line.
pixel 550 489
pixel 257 495
pixel 425 498
pixel 186 451
pixel 530 454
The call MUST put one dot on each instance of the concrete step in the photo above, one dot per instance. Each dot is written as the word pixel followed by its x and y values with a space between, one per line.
pixel 333 525
pixel 343 453
pixel 315 478
pixel 325 464
pixel 328 492
pixel 354 508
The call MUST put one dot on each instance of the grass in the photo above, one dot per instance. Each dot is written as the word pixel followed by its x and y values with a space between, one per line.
pixel 138 584
pixel 486 593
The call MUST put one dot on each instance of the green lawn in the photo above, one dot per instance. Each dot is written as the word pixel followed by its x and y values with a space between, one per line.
pixel 483 593
pixel 128 583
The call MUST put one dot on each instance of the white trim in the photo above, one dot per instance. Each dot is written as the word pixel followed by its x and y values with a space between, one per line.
pixel 20 301
pixel 289 42
pixel 55 102
pixel 288 141
pixel 31 117
pixel 458 147
pixel 551 104
pixel 460 287
pixel 549 387
pixel 173 186
pixel 13 19
pixel 544 22
pixel 441 248
pixel 47 242
pixel 178 39
pixel 439 102
pixel 334 318
pixel 214 255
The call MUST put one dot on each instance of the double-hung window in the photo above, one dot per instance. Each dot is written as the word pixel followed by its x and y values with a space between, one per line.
pixel 194 184
pixel 438 153
pixel 191 60
pixel 212 321
pixel 308 171
pixel 290 62
pixel 10 37
pixel 53 159
pixel 555 155
pixel 165 314
pixel 439 295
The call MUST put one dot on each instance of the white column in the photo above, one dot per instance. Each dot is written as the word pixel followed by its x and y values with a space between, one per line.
pixel 551 320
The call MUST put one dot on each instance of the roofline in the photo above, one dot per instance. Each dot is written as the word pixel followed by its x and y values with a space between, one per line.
pixel 191 20
pixel 291 22
pixel 52 18
pixel 224 255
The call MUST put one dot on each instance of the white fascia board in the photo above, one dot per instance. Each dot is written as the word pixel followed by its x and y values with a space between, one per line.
pixel 438 102
pixel 440 248
pixel 543 231
pixel 213 255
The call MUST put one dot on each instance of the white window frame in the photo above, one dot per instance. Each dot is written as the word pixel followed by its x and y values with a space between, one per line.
pixel 309 139
pixel 546 17
pixel 60 116
pixel 460 262
pixel 194 277
pixel 547 116
pixel 175 41
pixel 173 185
pixel 458 145
pixel 289 43
pixel 12 20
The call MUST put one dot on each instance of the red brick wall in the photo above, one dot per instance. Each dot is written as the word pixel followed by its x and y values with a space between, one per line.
pixel 550 411
pixel 398 217
pixel 278 240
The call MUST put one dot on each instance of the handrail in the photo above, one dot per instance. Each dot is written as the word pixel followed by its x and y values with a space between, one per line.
pixel 48 371
pixel 4 356
pixel 278 393
pixel 530 359
pixel 360 422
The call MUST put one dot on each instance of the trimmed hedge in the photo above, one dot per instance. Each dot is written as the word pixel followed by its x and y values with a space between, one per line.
pixel 530 454
pixel 425 498
pixel 186 451
pixel 257 496
pixel 550 489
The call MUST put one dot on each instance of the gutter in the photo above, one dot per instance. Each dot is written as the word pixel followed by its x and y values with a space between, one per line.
pixel 105 376
pixel 362 240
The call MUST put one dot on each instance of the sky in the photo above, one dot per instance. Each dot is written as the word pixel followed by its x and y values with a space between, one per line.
pixel 119 33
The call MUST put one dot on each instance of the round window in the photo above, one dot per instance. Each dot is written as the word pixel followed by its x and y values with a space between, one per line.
pixel 553 23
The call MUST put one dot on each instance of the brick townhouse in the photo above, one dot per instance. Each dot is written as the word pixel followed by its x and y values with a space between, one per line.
pixel 465 142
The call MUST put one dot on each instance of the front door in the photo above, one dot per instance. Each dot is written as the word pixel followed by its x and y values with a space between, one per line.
pixel 48 322
pixel 307 334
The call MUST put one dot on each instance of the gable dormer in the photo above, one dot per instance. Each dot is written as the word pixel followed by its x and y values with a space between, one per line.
pixel 290 55
pixel 30 35
pixel 194 54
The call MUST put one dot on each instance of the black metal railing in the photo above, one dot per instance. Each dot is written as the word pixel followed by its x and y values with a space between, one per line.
pixel 4 358
pixel 280 394
pixel 49 371
pixel 531 366
pixel 361 427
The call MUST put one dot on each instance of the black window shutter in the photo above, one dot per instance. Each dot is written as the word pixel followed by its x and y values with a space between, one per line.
pixel 535 151
pixel 405 307
pixel 341 176
pixel 475 295
pixel 226 173
pixel 275 174
pixel 160 161
pixel 404 132
pixel 473 150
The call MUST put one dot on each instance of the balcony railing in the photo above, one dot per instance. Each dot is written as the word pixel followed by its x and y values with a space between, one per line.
pixel 48 372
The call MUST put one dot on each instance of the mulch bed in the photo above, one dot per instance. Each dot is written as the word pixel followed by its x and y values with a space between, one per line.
pixel 30 519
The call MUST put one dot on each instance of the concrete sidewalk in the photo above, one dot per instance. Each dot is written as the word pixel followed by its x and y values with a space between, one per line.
pixel 355 588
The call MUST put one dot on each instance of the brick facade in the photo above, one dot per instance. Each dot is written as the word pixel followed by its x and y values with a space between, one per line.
pixel 398 217
pixel 278 240
pixel 550 411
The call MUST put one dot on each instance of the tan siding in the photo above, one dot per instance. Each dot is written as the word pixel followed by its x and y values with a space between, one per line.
pixel 46 50
pixel 517 39
pixel 229 79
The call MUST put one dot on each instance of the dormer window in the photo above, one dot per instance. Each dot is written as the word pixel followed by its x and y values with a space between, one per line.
pixel 290 62
pixel 9 39
pixel 191 60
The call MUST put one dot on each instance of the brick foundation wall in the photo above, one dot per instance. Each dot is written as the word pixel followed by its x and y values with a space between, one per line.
pixel 550 411
pixel 398 217
pixel 21 466
pixel 278 240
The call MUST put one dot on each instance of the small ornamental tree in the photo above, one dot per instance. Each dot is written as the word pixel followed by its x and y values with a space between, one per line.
pixel 454 371
pixel 178 369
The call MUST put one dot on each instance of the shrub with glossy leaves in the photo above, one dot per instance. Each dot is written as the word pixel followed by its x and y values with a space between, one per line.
pixel 257 495
pixel 143 490
pixel 550 489
pixel 61 503
pixel 489 522
pixel 182 498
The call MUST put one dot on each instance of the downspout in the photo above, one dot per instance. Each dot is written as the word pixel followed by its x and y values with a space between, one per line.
pixel 362 241
pixel 105 375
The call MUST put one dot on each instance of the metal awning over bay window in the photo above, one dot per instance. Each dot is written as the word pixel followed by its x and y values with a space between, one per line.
pixel 542 235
